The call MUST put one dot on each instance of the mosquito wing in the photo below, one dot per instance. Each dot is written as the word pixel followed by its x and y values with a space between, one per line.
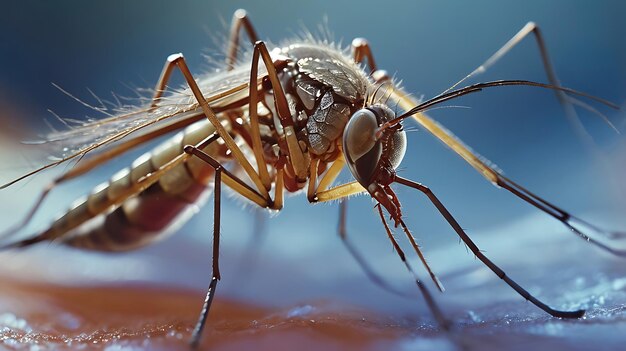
pixel 219 88
pixel 136 125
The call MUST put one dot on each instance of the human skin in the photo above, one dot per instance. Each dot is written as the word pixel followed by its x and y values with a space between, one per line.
pixel 127 316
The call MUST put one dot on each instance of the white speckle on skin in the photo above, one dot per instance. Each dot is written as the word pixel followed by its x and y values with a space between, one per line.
pixel 474 317
pixel 10 320
pixel 300 311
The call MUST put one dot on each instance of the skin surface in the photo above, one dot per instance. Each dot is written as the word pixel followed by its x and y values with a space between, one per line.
pixel 45 309
pixel 136 317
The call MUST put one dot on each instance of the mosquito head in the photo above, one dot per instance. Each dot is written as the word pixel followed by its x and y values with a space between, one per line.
pixel 372 148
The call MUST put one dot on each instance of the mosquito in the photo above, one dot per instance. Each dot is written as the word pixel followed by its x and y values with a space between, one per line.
pixel 290 121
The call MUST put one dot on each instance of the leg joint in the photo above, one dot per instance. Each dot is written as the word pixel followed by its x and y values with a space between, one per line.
pixel 532 26
pixel 189 149
pixel 240 14
pixel 175 57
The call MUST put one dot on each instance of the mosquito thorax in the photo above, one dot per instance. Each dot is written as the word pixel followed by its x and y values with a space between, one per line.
pixel 373 153
pixel 323 88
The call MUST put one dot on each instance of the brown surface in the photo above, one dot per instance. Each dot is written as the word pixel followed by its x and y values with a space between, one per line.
pixel 56 317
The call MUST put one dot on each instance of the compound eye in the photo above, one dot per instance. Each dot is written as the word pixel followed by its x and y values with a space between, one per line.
pixel 360 146
pixel 398 148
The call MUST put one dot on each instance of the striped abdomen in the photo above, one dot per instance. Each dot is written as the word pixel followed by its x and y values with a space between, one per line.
pixel 109 219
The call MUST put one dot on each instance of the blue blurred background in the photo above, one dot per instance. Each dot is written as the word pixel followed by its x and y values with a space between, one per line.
pixel 429 45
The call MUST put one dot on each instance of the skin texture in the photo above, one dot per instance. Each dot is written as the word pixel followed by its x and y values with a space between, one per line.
pixel 136 317
pixel 160 316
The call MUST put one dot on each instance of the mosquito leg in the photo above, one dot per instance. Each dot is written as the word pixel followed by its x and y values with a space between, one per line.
pixel 443 323
pixel 255 131
pixel 197 331
pixel 177 60
pixel 362 51
pixel 529 28
pixel 240 20
pixel 343 213
pixel 191 150
pixel 342 192
pixel 419 253
pixel 468 241
pixel 345 190
pixel 565 100
pixel 567 219
pixel 320 192
pixel 493 176
pixel 362 262
pixel 299 160
pixel 329 177
pixel 20 225
pixel 161 84
pixel 338 192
